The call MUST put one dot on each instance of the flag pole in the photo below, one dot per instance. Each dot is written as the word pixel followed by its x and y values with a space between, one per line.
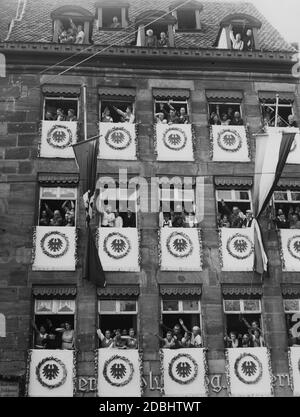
pixel 84 112
pixel 276 110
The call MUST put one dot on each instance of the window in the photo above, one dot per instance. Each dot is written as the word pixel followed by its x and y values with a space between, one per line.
pixel 165 106
pixel 112 14
pixel 186 19
pixel 174 310
pixel 117 314
pixel 268 112
pixel 117 109
pixel 158 21
pixel 52 317
pixel 118 206
pixel 57 206
pixel 112 18
pixel 292 315
pixel 176 205
pixel 232 205
pixel 242 317
pixel 287 209
pixel 61 108
pixel 223 112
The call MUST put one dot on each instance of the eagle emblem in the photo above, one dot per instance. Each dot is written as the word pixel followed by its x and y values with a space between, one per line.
pixel 180 244
pixel 59 136
pixel 293 246
pixel 118 245
pixel 118 370
pixel 50 371
pixel 229 139
pixel 240 245
pixel 117 137
pixel 55 244
pixel 249 368
pixel 297 246
pixel 174 139
pixel 183 369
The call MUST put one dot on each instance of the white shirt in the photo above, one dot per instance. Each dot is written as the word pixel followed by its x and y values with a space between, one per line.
pixel 80 37
pixel 119 222
pixel 108 219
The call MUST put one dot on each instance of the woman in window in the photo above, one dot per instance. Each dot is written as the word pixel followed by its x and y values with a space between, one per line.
pixel 168 341
pixel 118 220
pixel 232 341
pixel 105 339
pixel 132 340
pixel 108 218
pixel 41 336
pixel 257 339
pixel 67 336
pixel 106 117
pixel 127 116
pixel 183 117
pixel 115 23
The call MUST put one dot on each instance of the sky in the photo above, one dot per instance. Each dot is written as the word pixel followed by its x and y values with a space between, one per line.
pixel 283 14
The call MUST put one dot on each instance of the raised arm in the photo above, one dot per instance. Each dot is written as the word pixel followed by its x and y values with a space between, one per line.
pixel 120 112
pixel 100 334
pixel 184 326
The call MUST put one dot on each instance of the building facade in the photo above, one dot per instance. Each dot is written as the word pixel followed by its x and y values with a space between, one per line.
pixel 157 284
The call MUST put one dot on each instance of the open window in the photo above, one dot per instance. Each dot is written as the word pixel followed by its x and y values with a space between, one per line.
pixel 232 205
pixel 243 319
pixel 177 205
pixel 292 315
pixel 61 108
pixel 118 314
pixel 171 106
pixel 188 15
pixel 54 323
pixel 287 208
pixel 223 106
pixel 268 105
pixel 157 21
pixel 72 25
pixel 112 14
pixel 57 206
pixel 117 105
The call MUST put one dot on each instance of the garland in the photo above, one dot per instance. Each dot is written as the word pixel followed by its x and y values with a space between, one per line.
pixel 139 245
pixel 220 247
pixel 227 372
pixel 113 130
pixel 200 247
pixel 167 145
pixel 237 136
pixel 247 133
pixel 240 236
pixel 174 378
pixel 77 230
pixel 137 153
pixel 184 236
pixel 40 139
pixel 117 234
pixel 211 143
pixel 33 251
pixel 64 370
pixel 155 140
pixel 50 137
pixel 194 139
pixel 270 370
pixel 159 248
pixel 240 377
pixel 205 366
pixel 27 372
pixel 118 384
pixel 281 250
pixel 162 371
pixel 51 255
pixel 289 243
pixel 141 369
pixel 75 352
pixel 97 369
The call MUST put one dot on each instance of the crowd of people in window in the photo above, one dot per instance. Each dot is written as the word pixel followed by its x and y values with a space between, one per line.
pixel 70 33
pixel 65 216
pixel 151 40
pixel 49 337
pixel 230 118
pixel 269 118
pixel 180 337
pixel 111 218
pixel 253 338
pixel 240 41
pixel 61 116
pixel 126 116
pixel 234 218
pixel 291 221
pixel 117 339
pixel 180 218
pixel 167 114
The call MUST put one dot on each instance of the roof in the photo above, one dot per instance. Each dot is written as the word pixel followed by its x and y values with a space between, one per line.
pixel 36 24
pixel 8 12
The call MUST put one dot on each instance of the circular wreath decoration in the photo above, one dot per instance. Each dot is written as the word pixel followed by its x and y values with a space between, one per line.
pixel 179 245
pixel 119 371
pixel 117 242
pixel 59 137
pixel 249 367
pixel 174 138
pixel 293 246
pixel 59 243
pixel 184 369
pixel 118 138
pixel 50 372
pixel 241 243
pixel 229 140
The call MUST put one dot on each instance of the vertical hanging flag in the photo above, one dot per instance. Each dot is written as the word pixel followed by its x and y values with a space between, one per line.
pixel 86 153
pixel 272 150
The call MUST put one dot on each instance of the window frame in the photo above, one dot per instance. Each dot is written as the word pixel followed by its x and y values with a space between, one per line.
pixel 116 98
pixel 225 103
pixel 172 101
pixel 242 309
pixel 291 311
pixel 118 310
pixel 62 98
pixel 180 304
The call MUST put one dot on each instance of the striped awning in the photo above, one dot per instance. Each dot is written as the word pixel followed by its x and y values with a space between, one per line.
pixel 224 95
pixel 116 91
pixel 241 290
pixel 290 290
pixel 270 96
pixel 289 183
pixel 180 290
pixel 118 291
pixel 233 181
pixel 54 291
pixel 61 89
pixel 164 93
pixel 67 178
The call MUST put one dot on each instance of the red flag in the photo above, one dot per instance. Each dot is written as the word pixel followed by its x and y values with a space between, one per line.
pixel 93 270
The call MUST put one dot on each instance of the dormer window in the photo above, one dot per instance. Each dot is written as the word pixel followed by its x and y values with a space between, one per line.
pixel 72 25
pixel 112 14
pixel 239 32
pixel 188 16
pixel 155 29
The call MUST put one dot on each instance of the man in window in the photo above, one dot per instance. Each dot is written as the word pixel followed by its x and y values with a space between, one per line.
pixel 237 120
pixel 115 23
pixel 129 219
pixel 106 340
pixel 163 41
pixel 236 40
pixel 249 41
pixel 196 339
pixel 247 222
pixel 291 121
pixel 151 39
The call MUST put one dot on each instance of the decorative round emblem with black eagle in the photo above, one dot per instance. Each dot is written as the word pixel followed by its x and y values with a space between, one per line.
pixel 118 371
pixel 293 246
pixel 179 245
pixel 59 137
pixel 229 140
pixel 116 245
pixel 54 244
pixel 51 372
pixel 239 246
pixel 174 138
pixel 183 369
pixel 248 368
pixel 118 138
